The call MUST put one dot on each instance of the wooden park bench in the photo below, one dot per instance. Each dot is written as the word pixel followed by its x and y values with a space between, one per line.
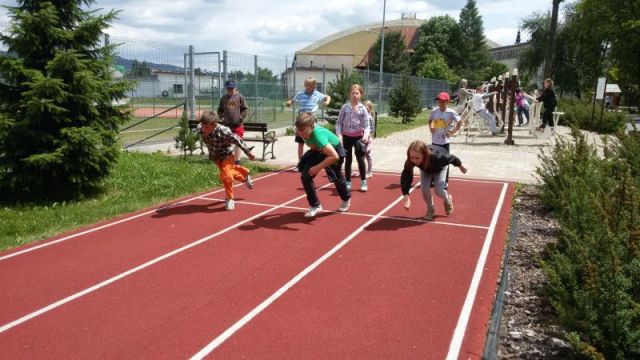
pixel 262 135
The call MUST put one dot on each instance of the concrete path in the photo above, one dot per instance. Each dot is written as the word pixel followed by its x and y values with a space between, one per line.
pixel 486 156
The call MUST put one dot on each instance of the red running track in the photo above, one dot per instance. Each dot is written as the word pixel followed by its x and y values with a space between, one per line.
pixel 191 279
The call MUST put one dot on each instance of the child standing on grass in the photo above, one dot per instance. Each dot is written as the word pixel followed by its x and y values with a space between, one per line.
pixel 232 109
pixel 326 152
pixel 220 141
pixel 432 162
pixel 367 152
pixel 353 130
pixel 308 101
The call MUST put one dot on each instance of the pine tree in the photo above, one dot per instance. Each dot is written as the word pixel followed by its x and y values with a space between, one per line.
pixel 477 54
pixel 404 100
pixel 340 88
pixel 58 124
pixel 186 140
pixel 396 59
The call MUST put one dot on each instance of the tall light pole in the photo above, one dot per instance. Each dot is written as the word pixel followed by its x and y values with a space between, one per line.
pixel 384 9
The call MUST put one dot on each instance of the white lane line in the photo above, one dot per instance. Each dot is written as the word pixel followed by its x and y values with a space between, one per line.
pixel 452 178
pixel 399 218
pixel 104 226
pixel 461 327
pixel 258 309
pixel 86 291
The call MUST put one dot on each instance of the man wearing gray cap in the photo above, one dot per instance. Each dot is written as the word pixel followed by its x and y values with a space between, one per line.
pixel 232 110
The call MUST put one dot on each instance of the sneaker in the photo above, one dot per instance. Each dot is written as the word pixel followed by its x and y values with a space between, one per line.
pixel 229 205
pixel 448 206
pixel 348 185
pixel 540 129
pixel 363 186
pixel 430 214
pixel 344 205
pixel 355 174
pixel 313 211
pixel 369 174
pixel 249 182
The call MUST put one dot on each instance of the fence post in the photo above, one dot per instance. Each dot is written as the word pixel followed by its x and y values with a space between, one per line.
pixel 190 87
pixel 255 85
pixel 293 109
pixel 324 85
pixel 225 65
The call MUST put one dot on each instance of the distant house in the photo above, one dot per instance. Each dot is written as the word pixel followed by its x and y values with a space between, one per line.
pixel 174 85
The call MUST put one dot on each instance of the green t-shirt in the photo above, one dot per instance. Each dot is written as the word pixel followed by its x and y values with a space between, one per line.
pixel 320 137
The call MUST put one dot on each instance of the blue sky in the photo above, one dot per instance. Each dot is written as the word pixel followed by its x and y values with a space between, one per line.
pixel 279 27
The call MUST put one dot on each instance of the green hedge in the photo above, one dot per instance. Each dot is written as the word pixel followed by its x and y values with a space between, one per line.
pixel 594 268
pixel 578 113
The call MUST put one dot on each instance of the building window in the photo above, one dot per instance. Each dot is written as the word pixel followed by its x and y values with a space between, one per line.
pixel 177 88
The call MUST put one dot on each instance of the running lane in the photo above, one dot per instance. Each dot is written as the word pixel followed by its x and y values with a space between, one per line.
pixel 397 290
pixel 39 277
pixel 170 309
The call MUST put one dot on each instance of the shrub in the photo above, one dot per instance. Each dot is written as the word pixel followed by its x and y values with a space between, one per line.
pixel 594 268
pixel 578 113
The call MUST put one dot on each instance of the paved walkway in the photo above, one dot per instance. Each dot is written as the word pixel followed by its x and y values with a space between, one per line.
pixel 486 156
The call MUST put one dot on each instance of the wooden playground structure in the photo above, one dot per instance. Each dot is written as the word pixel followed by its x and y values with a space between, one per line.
pixel 502 105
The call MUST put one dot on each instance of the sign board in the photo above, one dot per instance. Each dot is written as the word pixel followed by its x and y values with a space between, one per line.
pixel 600 88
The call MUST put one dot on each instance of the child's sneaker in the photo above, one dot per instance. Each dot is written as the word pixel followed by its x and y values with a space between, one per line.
pixel 448 205
pixel 430 214
pixel 229 205
pixel 348 185
pixel 363 186
pixel 249 182
pixel 313 211
pixel 344 205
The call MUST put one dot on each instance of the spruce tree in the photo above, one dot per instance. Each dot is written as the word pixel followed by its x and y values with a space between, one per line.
pixel 472 29
pixel 186 140
pixel 404 100
pixel 340 88
pixel 58 124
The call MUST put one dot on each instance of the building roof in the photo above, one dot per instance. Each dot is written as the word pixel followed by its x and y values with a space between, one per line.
pixel 357 41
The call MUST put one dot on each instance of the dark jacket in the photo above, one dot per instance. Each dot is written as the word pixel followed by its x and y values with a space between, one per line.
pixel 548 99
pixel 438 160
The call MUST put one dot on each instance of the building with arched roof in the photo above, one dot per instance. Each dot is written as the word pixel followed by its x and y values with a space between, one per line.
pixel 351 48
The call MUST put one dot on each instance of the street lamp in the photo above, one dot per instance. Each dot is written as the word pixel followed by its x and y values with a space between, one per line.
pixel 384 9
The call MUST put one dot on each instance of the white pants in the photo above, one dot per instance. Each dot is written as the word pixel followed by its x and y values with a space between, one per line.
pixel 490 119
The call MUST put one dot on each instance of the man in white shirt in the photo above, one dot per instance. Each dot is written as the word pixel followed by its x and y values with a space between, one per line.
pixel 480 109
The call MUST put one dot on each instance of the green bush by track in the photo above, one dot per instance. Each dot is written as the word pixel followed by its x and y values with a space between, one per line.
pixel 594 268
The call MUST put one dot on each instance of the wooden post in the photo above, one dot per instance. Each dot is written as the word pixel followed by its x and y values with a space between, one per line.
pixel 512 87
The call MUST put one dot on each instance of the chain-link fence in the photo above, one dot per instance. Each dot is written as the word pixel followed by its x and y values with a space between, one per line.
pixel 377 88
pixel 173 78
pixel 261 80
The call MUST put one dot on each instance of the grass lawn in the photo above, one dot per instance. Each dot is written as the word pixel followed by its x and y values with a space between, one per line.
pixel 137 181
pixel 388 125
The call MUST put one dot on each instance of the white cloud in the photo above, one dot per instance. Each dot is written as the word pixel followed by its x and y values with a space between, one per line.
pixel 279 27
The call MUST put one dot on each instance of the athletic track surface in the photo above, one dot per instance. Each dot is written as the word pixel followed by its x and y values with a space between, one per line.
pixel 191 280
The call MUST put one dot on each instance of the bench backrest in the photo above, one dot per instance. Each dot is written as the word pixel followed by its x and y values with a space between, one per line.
pixel 255 127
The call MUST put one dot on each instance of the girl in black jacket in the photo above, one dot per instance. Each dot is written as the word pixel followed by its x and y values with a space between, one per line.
pixel 549 101
pixel 432 162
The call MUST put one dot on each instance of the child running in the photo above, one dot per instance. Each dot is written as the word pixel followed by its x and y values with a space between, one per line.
pixel 432 162
pixel 220 141
pixel 326 152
